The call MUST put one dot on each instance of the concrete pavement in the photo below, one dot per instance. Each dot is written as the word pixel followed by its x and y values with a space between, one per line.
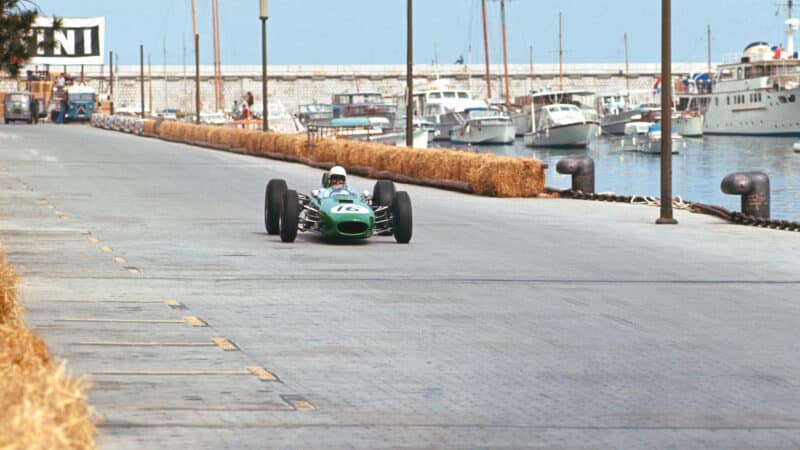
pixel 505 323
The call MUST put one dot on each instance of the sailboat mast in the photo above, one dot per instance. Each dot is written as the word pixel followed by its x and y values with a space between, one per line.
pixel 531 63
pixel 560 57
pixel 708 51
pixel 486 51
pixel 196 65
pixel 217 66
pixel 627 69
pixel 505 52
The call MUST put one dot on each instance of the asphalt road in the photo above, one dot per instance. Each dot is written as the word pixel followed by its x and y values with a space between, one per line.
pixel 504 323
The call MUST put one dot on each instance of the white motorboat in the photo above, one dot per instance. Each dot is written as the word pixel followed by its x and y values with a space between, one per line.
pixel 689 118
pixel 279 119
pixel 651 142
pixel 372 129
pixel 557 122
pixel 484 126
pixel 689 124
pixel 442 106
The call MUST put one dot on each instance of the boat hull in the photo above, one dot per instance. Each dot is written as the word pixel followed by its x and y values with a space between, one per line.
pixel 776 114
pixel 484 134
pixel 688 126
pixel 571 135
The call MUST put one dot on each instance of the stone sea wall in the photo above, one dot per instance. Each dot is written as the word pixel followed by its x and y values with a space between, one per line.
pixel 173 86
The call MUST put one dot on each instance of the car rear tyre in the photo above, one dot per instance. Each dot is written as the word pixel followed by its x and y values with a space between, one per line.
pixel 272 204
pixel 290 213
pixel 402 218
pixel 383 193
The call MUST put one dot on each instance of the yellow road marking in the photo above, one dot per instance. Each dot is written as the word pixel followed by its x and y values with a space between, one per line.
pixel 119 259
pixel 133 270
pixel 225 344
pixel 194 321
pixel 262 373
pixel 109 301
pixel 171 372
pixel 93 239
pixel 173 303
pixel 106 249
pixel 94 319
pixel 147 344
pixel 303 405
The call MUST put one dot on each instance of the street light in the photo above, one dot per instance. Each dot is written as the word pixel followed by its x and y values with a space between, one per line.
pixel 666 217
pixel 409 76
pixel 264 14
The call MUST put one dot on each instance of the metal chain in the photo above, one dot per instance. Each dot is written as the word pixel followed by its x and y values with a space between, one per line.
pixel 679 203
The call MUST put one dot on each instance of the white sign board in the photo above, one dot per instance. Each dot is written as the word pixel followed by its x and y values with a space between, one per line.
pixel 80 41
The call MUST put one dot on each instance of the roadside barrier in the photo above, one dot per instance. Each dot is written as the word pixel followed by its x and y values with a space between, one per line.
pixel 477 173
pixel 42 407
pixel 679 203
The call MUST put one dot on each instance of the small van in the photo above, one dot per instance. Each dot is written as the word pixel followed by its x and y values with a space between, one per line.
pixel 17 106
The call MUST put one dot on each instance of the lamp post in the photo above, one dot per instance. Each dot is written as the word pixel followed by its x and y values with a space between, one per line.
pixel 666 116
pixel 409 79
pixel 264 14
pixel 196 67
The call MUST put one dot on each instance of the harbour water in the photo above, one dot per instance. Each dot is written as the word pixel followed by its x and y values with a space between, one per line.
pixel 697 169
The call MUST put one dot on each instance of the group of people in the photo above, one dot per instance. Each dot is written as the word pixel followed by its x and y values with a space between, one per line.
pixel 242 108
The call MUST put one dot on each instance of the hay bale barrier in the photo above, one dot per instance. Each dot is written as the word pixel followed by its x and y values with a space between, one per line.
pixel 477 173
pixel 42 406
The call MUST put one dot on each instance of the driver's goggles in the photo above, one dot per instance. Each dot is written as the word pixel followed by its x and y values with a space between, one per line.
pixel 337 178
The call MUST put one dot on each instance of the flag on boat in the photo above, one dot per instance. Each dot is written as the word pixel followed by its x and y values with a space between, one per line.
pixel 657 86
pixel 777 49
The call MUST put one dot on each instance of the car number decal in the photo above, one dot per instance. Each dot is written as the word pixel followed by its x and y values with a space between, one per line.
pixel 349 209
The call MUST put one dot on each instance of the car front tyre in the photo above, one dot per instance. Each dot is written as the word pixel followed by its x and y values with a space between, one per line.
pixel 272 204
pixel 290 214
pixel 402 217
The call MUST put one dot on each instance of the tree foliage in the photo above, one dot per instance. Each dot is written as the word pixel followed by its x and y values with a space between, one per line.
pixel 17 46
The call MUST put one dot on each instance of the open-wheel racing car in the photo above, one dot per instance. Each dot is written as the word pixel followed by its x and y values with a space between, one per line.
pixel 338 214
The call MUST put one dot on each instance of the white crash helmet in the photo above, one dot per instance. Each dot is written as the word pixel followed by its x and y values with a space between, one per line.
pixel 337 171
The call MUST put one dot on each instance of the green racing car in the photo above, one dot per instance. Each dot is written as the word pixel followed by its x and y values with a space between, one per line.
pixel 338 214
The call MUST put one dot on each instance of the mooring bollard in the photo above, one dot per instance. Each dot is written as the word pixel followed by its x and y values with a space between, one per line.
pixel 754 189
pixel 582 170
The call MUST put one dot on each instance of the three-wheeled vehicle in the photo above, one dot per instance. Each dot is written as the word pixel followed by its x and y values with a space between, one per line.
pixel 17 106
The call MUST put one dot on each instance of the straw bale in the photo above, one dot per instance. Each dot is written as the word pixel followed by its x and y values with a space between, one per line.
pixel 149 127
pixel 300 146
pixel 251 142
pixel 382 158
pixel 42 406
pixel 20 347
pixel 508 177
pixel 222 137
pixel 10 310
pixel 326 150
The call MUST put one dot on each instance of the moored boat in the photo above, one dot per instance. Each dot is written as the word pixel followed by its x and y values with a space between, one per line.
pixel 483 126
pixel 557 121
pixel 757 95
pixel 651 142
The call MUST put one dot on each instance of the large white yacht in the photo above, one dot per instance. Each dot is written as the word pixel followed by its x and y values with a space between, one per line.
pixel 443 106
pixel 758 95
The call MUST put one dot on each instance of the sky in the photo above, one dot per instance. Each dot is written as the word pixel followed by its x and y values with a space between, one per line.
pixel 338 32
